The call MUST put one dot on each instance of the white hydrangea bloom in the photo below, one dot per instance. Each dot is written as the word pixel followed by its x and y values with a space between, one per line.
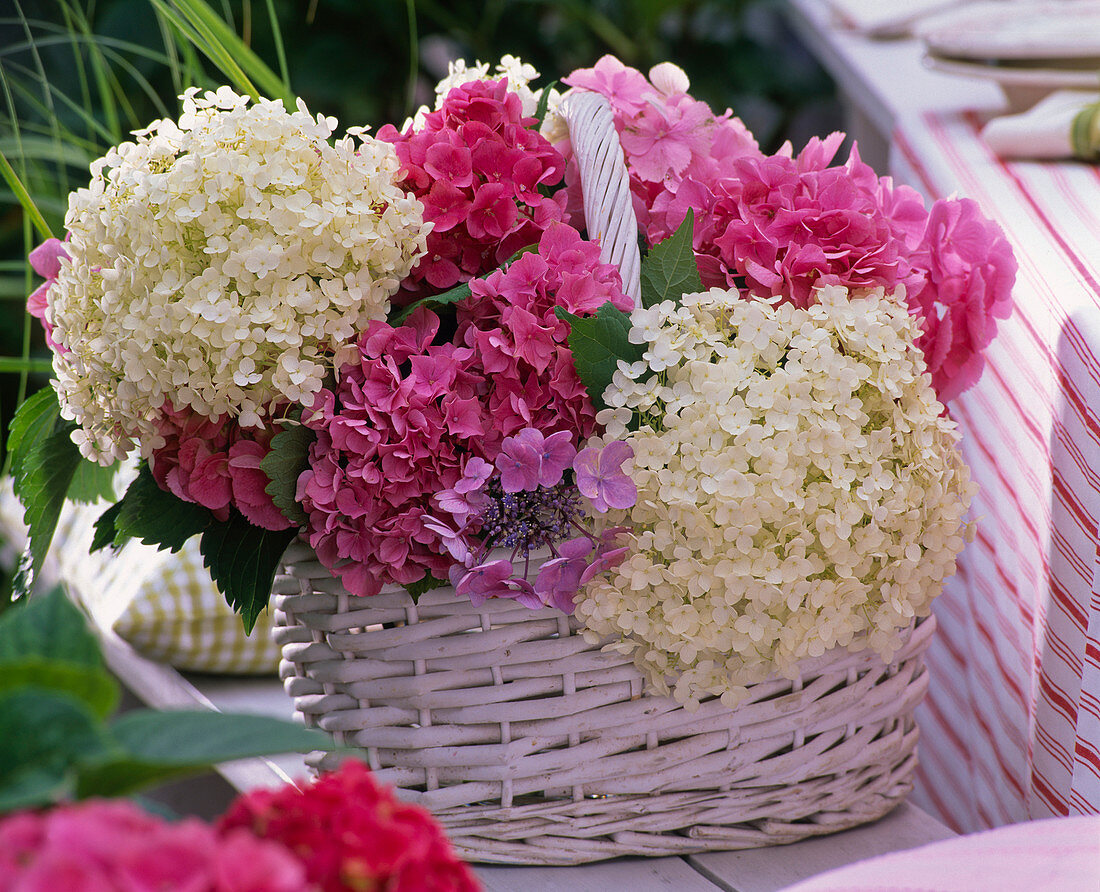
pixel 798 489
pixel 223 262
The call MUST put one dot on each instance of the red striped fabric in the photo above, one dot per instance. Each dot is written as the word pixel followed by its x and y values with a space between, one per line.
pixel 1011 727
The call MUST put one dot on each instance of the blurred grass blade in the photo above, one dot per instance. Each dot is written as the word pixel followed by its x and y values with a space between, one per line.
pixel 29 207
pixel 277 36
pixel 221 44
pixel 9 364
pixel 208 45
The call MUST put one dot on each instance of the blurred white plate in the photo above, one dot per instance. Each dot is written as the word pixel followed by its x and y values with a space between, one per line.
pixel 1013 76
pixel 1022 87
pixel 1043 29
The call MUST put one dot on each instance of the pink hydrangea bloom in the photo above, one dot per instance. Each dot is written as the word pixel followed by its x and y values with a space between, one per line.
pixel 406 438
pixel 46 261
pixel 670 139
pixel 969 273
pixel 106 846
pixel 782 225
pixel 216 464
pixel 478 166
pixel 509 321
pixel 400 426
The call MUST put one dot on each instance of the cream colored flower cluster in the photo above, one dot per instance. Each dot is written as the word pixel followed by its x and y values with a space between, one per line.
pixel 798 488
pixel 224 262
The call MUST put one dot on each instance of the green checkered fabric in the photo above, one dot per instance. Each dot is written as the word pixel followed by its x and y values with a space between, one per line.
pixel 165 605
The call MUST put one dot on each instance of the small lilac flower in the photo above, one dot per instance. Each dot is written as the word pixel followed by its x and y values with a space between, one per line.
pixel 452 541
pixel 519 462
pixel 557 454
pixel 486 581
pixel 467 499
pixel 474 475
pixel 559 579
pixel 601 479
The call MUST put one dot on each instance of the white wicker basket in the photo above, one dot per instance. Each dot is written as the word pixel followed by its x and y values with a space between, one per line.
pixel 533 747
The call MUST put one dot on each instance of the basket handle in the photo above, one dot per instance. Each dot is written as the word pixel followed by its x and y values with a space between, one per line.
pixel 605 185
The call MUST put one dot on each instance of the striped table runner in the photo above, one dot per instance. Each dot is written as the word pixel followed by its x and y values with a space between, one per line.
pixel 1011 727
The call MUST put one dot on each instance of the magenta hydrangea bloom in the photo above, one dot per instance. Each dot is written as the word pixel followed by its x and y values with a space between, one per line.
pixel 509 320
pixel 400 426
pixel 398 470
pixel 479 167
pixel 782 225
pixel 216 464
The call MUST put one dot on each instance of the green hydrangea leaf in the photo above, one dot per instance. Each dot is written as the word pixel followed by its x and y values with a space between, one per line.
pixel 242 560
pixel 156 517
pixel 669 269
pixel 151 747
pixel 416 589
pixel 51 627
pixel 105 530
pixel 48 458
pixel 458 293
pixel 283 465
pixel 95 688
pixel 33 421
pixel 43 735
pixel 598 344
pixel 92 482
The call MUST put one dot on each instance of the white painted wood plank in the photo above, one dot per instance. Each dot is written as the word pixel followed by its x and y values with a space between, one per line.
pixel 622 875
pixel 770 869
pixel 885 79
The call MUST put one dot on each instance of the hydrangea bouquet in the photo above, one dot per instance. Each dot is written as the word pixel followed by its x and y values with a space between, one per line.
pixel 406 349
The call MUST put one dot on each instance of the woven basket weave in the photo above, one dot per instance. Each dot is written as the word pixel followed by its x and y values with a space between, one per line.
pixel 532 746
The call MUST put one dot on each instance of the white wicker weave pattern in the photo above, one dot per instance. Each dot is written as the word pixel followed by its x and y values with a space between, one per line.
pixel 533 747
pixel 608 210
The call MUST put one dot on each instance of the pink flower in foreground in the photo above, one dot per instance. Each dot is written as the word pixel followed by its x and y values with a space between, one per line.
pixel 46 261
pixel 352 833
pixel 601 479
pixel 108 846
